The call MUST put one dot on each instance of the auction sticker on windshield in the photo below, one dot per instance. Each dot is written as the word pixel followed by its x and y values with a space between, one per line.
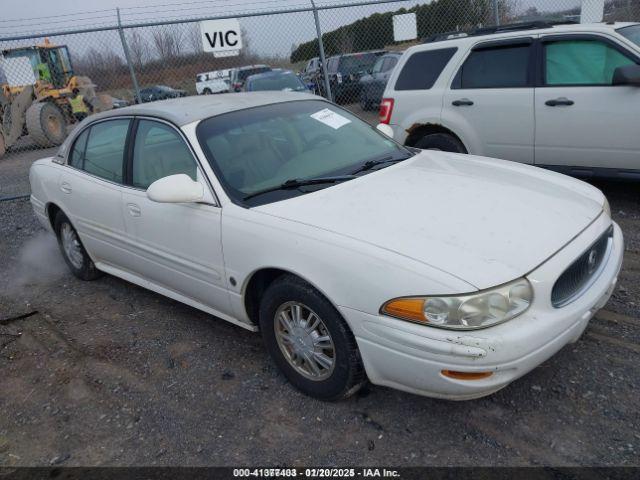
pixel 330 118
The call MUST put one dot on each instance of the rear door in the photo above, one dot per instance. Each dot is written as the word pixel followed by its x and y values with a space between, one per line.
pixel 91 189
pixel 490 101
pixel 583 122
pixel 176 246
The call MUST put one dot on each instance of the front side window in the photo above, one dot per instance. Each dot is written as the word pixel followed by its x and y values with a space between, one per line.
pixel 104 153
pixel 159 151
pixel 422 69
pixel 501 67
pixel 260 148
pixel 378 66
pixel 581 62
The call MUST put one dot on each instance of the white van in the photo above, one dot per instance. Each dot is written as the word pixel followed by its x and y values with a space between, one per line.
pixel 216 81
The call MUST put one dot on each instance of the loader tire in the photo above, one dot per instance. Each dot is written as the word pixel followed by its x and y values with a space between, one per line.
pixel 46 124
pixel 3 146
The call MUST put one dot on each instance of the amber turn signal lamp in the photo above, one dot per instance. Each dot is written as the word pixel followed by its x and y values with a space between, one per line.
pixel 466 375
pixel 406 308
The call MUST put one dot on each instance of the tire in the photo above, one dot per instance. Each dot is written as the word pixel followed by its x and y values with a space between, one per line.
pixel 365 103
pixel 345 376
pixel 79 263
pixel 3 146
pixel 46 124
pixel 441 141
pixel 206 91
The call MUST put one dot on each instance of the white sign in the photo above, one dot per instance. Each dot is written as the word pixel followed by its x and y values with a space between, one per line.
pixel 18 71
pixel 592 11
pixel 405 27
pixel 330 118
pixel 222 37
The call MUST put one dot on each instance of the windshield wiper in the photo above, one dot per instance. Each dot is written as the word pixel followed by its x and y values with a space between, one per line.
pixel 370 164
pixel 295 183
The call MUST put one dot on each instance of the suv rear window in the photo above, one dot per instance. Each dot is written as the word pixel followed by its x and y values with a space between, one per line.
pixel 422 69
pixel 501 67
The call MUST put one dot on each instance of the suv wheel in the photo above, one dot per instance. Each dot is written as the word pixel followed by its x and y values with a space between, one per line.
pixel 441 141
pixel 309 340
pixel 365 103
pixel 72 250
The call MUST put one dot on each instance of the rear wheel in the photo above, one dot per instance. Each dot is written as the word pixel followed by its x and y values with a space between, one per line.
pixel 309 340
pixel 72 250
pixel 365 103
pixel 441 141
pixel 206 91
pixel 46 124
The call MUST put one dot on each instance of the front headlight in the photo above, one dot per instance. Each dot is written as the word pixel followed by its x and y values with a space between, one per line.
pixel 464 312
pixel 606 208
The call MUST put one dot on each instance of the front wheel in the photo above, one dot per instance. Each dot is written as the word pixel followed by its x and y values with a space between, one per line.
pixel 309 340
pixel 73 251
pixel 441 141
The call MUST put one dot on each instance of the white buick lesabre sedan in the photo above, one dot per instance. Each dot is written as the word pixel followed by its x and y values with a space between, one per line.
pixel 440 274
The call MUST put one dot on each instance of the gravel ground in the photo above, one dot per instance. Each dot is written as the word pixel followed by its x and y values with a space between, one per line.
pixel 107 373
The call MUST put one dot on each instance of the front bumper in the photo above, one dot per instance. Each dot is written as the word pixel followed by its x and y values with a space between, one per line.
pixel 411 357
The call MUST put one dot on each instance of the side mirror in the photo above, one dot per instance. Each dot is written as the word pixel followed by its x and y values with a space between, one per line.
pixel 627 75
pixel 176 189
pixel 385 129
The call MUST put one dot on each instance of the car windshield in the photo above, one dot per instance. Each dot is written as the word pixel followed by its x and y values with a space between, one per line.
pixel 261 148
pixel 631 32
pixel 285 81
pixel 357 63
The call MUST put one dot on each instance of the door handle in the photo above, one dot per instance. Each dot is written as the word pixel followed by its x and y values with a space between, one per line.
pixel 65 187
pixel 559 101
pixel 134 210
pixel 463 102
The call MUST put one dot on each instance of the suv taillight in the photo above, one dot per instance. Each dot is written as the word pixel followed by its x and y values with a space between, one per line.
pixel 386 109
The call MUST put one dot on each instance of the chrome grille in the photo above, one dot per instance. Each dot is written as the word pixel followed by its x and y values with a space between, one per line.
pixel 582 272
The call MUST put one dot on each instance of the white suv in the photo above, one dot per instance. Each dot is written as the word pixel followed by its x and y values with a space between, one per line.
pixel 565 97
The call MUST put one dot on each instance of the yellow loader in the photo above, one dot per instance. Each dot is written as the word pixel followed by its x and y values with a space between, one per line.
pixel 34 100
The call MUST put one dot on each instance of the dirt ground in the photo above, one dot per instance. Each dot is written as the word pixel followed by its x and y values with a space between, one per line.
pixel 107 373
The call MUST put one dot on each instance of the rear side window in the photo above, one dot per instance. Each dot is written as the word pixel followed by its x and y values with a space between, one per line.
pixel 422 69
pixel 582 62
pixel 104 154
pixel 76 157
pixel 502 67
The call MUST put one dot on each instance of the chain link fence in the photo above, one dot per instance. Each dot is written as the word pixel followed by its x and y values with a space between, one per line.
pixel 51 81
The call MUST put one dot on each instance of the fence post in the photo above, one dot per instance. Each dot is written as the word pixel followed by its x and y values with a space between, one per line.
pixel 321 48
pixel 125 47
pixel 496 12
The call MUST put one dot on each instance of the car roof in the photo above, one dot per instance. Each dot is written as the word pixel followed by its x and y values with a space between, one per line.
pixel 181 111
pixel 516 30
pixel 272 73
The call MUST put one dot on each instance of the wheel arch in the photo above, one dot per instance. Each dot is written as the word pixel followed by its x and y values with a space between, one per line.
pixel 420 130
pixel 52 210
pixel 257 283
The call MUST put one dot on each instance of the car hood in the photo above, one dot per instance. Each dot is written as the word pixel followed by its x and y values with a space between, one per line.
pixel 484 221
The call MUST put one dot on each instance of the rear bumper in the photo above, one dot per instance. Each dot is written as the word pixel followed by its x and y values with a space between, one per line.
pixel 411 357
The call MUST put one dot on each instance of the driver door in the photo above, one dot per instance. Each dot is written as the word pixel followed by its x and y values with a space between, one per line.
pixel 177 245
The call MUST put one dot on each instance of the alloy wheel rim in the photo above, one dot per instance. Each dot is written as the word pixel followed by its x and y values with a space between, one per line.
pixel 71 245
pixel 304 340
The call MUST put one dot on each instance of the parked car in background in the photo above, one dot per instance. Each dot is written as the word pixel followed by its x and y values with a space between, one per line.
pixel 564 97
pixel 239 75
pixel 118 103
pixel 160 92
pixel 213 82
pixel 355 257
pixel 344 73
pixel 277 79
pixel 311 74
pixel 372 84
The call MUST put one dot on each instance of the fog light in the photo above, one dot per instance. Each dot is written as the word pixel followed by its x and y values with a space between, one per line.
pixel 466 375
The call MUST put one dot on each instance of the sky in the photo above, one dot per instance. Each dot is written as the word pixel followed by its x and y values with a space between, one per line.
pixel 271 35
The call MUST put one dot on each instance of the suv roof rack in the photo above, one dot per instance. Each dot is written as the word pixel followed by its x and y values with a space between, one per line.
pixel 508 27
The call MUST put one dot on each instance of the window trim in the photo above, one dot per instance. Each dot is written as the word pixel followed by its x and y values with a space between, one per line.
pixel 88 127
pixel 456 82
pixel 542 55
